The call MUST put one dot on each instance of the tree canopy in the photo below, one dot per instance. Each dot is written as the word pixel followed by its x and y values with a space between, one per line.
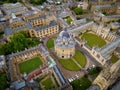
pixel 8 1
pixel 37 2
pixel 77 10
pixel 3 81
pixel 18 42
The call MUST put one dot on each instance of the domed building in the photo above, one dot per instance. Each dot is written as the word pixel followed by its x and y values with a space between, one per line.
pixel 64 45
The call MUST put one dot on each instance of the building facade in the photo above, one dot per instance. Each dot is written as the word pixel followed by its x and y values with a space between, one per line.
pixel 108 76
pixel 38 25
pixel 64 45
pixel 2 64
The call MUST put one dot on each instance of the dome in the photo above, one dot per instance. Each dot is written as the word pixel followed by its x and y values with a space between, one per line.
pixel 65 40
pixel 64 34
pixel 64 45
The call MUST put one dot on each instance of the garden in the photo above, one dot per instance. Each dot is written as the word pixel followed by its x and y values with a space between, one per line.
pixel 114 59
pixel 81 84
pixel 70 64
pixel 30 65
pixel 93 40
pixel 78 10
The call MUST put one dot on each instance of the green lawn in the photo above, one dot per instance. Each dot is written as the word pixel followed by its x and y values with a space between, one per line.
pixel 3 81
pixel 81 84
pixel 50 43
pixel 80 58
pixel 93 40
pixel 69 64
pixel 30 65
pixel 48 84
pixel 68 19
pixel 114 59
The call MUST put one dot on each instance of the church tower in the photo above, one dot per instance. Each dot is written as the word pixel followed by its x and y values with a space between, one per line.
pixel 107 77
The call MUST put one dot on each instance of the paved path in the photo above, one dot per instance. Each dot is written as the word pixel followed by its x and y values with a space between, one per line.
pixel 76 63
pixel 90 59
pixel 66 72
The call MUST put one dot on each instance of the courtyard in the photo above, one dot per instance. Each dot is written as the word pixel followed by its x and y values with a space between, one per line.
pixel 30 65
pixel 47 81
pixel 114 59
pixel 75 63
pixel 93 40
pixel 48 84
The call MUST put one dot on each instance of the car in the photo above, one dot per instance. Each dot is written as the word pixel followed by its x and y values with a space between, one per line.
pixel 76 76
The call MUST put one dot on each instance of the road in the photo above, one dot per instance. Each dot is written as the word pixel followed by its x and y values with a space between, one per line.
pixel 91 59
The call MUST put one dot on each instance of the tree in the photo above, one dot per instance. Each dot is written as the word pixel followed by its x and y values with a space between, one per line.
pixel 18 42
pixel 3 81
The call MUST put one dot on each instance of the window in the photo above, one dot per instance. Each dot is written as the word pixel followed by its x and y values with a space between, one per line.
pixel 98 56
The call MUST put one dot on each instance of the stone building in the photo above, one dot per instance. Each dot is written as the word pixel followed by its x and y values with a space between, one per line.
pixel 2 64
pixel 101 2
pixel 103 55
pixel 115 25
pixel 103 18
pixel 37 24
pixel 107 77
pixel 103 31
pixel 43 27
pixel 16 8
pixel 2 26
pixel 117 52
pixel 16 22
pixel 108 8
pixel 64 45
pixel 15 59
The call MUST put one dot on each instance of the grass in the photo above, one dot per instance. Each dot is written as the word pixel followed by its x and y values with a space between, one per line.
pixel 69 64
pixel 30 65
pixel 80 58
pixel 3 81
pixel 68 19
pixel 81 84
pixel 114 59
pixel 93 40
pixel 78 10
pixel 50 43
pixel 48 84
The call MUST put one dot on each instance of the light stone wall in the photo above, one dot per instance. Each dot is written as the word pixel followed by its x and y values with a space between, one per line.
pixel 26 18
pixel 17 24
pixel 64 53
pixel 2 27
pixel 108 76
pixel 45 32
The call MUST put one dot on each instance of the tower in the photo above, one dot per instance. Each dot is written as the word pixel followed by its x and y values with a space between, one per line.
pixel 64 45
pixel 107 77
